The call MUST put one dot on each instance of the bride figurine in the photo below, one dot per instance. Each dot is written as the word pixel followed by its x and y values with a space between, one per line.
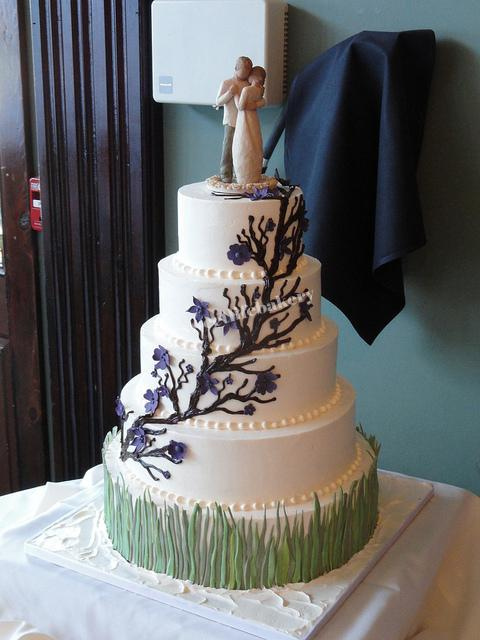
pixel 247 148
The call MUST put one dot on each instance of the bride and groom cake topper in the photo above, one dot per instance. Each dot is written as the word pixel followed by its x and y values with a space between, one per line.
pixel 242 151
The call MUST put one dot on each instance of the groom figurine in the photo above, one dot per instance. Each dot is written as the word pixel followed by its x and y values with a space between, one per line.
pixel 225 97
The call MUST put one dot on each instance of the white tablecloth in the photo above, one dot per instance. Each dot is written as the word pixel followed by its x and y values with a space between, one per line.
pixel 427 587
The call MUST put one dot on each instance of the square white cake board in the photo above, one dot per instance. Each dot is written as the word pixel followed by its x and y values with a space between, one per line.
pixel 79 542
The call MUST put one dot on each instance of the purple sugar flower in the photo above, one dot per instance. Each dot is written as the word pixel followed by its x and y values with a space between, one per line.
pixel 227 322
pixel 119 408
pixel 162 357
pixel 305 307
pixel 249 409
pixel 229 379
pixel 259 194
pixel 139 440
pixel 151 396
pixel 265 382
pixel 200 309
pixel 238 254
pixel 177 450
pixel 270 226
pixel 207 383
pixel 263 193
pixel 189 368
pixel 163 391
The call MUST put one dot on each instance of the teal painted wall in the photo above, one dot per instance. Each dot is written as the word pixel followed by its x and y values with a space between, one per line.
pixel 419 384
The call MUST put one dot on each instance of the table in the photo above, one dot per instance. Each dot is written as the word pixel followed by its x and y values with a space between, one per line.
pixel 426 587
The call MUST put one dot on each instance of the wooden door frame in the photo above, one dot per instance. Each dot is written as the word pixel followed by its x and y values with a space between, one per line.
pixel 100 148
pixel 22 438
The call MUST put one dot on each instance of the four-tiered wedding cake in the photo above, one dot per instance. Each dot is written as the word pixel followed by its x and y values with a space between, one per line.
pixel 237 463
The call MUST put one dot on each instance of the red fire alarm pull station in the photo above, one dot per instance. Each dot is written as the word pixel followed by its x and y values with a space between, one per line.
pixel 35 204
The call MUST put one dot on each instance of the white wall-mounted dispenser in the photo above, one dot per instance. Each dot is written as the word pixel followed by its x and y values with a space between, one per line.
pixel 195 44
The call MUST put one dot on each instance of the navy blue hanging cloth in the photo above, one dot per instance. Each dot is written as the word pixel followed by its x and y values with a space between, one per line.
pixel 353 124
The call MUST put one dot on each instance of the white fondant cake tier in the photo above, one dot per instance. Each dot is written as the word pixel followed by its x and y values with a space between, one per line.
pixel 209 224
pixel 249 467
pixel 260 465
pixel 177 291
pixel 139 483
pixel 307 374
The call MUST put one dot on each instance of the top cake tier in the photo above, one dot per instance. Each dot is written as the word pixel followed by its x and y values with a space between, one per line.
pixel 208 226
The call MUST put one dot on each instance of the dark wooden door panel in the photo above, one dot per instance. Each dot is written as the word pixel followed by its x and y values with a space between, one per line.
pixel 9 480
pixel 21 416
pixel 3 307
pixel 102 204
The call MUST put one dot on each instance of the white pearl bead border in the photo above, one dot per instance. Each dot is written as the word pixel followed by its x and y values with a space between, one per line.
pixel 231 425
pixel 190 345
pixel 228 274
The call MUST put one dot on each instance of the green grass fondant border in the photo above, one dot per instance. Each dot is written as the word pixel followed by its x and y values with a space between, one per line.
pixel 210 547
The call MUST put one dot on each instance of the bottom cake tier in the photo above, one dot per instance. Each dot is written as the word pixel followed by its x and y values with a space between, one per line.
pixel 217 547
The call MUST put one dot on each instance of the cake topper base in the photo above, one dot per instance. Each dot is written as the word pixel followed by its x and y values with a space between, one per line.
pixel 216 184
